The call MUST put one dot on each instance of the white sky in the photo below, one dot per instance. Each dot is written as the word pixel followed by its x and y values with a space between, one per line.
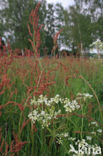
pixel 65 3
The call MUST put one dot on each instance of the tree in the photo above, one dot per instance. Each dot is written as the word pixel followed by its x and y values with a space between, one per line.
pixel 49 29
pixel 78 28
pixel 50 19
pixel 16 16
pixel 60 23
pixel 95 12
pixel 47 43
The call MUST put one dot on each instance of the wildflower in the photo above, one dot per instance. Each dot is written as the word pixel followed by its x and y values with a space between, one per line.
pixel 71 138
pixel 89 137
pixel 56 98
pixel 65 134
pixel 59 140
pixel 66 100
pixel 33 101
pixel 42 112
pixel 94 123
pixel 71 106
pixel 99 130
pixel 83 96
pixel 46 109
pixel 94 133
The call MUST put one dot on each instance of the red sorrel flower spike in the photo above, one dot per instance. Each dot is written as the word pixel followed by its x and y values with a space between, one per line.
pixel 18 146
pixel 24 124
pixel 55 41
pixel 29 30
pixel 34 21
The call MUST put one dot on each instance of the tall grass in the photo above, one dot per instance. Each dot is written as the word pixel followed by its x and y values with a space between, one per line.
pixel 18 85
pixel 23 78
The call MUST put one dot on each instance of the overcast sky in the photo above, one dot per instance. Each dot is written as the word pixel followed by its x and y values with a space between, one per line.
pixel 65 3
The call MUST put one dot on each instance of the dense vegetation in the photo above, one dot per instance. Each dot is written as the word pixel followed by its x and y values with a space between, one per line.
pixel 23 78
pixel 48 106
pixel 81 23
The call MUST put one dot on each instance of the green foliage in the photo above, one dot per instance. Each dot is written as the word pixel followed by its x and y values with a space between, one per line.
pixel 16 16
pixel 82 23
pixel 55 139
pixel 81 26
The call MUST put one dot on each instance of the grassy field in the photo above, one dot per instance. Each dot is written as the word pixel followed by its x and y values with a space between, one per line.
pixel 48 107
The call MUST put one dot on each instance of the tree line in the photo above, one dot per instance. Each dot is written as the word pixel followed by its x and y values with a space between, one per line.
pixel 82 23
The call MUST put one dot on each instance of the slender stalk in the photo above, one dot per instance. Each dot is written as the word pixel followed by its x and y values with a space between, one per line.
pixel 32 138
pixel 94 93
pixel 20 123
pixel 82 124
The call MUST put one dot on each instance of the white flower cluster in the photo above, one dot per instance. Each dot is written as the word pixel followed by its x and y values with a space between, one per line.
pixel 71 106
pixel 61 136
pixel 96 128
pixel 43 117
pixel 48 109
pixel 94 123
pixel 84 96
pixel 44 100
pixel 97 44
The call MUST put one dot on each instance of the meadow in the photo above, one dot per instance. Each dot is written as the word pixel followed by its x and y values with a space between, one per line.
pixel 50 106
